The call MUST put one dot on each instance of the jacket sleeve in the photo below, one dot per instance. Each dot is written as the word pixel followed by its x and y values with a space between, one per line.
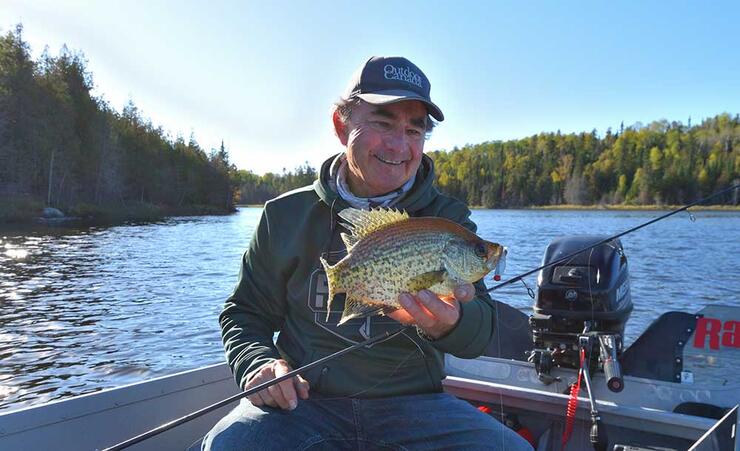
pixel 474 330
pixel 256 309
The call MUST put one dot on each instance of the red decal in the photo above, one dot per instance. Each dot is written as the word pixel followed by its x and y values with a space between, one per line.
pixel 731 335
pixel 707 327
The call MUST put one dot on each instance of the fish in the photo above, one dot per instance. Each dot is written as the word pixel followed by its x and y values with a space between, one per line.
pixel 389 253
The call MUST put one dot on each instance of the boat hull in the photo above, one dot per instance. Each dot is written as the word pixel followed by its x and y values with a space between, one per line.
pixel 102 419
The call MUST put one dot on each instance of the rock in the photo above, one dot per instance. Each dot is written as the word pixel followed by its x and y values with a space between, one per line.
pixel 50 213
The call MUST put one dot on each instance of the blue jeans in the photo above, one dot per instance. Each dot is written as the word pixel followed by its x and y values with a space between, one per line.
pixel 419 422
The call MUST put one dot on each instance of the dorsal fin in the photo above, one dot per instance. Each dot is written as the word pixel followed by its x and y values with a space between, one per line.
pixel 362 223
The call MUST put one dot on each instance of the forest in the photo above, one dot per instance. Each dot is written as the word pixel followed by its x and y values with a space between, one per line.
pixel 62 147
pixel 662 163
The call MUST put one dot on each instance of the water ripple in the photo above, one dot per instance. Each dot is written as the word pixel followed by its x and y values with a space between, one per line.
pixel 86 309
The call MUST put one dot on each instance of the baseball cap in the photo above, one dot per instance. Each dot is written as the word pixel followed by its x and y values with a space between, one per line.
pixel 390 79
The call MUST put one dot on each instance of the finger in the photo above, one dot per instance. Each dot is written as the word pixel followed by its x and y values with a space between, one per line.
pixel 277 395
pixel 287 387
pixel 262 397
pixel 464 292
pixel 402 316
pixel 302 386
pixel 264 374
pixel 421 316
pixel 256 400
pixel 267 399
pixel 444 313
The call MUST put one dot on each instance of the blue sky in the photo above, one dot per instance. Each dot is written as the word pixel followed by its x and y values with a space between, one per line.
pixel 262 76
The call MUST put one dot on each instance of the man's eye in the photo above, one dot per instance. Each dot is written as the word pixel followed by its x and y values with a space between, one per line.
pixel 382 124
pixel 414 132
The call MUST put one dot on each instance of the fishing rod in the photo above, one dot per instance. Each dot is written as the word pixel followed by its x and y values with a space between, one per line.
pixel 611 238
pixel 382 337
pixel 253 390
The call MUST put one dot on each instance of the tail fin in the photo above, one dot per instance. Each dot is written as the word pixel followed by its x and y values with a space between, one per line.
pixel 332 280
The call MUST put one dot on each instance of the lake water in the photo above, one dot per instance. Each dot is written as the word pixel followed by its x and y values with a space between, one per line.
pixel 87 309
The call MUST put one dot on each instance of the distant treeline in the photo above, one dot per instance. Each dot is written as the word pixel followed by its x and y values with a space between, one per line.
pixel 258 189
pixel 60 146
pixel 661 163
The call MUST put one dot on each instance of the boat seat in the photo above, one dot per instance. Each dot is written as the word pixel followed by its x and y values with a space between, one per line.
pixel 657 353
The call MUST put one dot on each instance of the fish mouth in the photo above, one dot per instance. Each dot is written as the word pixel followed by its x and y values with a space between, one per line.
pixel 391 162
pixel 497 261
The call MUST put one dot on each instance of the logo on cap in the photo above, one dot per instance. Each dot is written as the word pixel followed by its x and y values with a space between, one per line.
pixel 392 72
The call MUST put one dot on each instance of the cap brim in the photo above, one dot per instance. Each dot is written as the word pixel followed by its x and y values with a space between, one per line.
pixel 398 95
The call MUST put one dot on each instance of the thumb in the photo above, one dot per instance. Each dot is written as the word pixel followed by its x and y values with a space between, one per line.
pixel 464 292
pixel 302 386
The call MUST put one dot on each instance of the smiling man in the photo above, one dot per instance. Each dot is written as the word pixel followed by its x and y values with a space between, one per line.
pixel 384 145
pixel 388 396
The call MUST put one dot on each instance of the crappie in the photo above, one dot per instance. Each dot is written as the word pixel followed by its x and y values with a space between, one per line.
pixel 390 253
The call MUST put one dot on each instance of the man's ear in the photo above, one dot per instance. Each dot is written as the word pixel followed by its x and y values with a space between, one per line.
pixel 340 128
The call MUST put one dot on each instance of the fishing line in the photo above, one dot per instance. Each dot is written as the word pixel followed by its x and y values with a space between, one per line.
pixel 387 335
pixel 253 390
pixel 530 292
pixel 591 247
pixel 590 287
pixel 612 238
pixel 498 347
pixel 388 376
pixel 381 381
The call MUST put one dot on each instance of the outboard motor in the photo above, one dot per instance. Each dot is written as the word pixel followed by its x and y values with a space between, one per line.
pixel 582 304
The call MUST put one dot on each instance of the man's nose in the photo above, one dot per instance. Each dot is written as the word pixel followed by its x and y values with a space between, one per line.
pixel 396 140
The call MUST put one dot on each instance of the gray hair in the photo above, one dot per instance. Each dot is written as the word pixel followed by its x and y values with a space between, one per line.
pixel 344 107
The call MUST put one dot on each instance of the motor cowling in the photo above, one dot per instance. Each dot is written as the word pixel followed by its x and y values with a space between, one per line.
pixel 589 294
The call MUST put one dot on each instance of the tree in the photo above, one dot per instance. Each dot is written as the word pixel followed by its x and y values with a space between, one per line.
pixel 63 146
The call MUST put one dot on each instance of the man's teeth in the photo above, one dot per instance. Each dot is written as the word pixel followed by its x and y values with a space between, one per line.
pixel 390 161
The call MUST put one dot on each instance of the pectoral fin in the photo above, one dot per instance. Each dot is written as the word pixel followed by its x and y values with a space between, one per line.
pixel 446 287
pixel 426 280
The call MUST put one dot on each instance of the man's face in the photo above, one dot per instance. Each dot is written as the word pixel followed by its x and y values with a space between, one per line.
pixel 384 145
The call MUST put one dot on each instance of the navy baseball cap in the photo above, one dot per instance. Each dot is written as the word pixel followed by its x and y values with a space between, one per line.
pixel 390 79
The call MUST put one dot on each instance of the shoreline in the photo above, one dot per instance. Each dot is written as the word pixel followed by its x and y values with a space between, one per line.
pixel 570 207
pixel 619 207
pixel 31 214
pixel 152 213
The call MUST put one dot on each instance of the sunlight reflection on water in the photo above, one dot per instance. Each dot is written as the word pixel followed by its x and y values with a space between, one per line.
pixel 87 309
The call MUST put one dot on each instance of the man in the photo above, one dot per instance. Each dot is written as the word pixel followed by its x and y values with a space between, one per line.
pixel 388 396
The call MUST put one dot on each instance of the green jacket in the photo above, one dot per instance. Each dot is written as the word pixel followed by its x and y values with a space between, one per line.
pixel 282 288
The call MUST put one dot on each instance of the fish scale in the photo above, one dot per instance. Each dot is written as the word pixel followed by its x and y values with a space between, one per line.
pixel 420 253
pixel 390 253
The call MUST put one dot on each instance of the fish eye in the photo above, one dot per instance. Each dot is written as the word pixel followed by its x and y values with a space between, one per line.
pixel 480 250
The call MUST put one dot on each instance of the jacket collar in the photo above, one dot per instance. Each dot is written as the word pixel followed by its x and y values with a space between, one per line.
pixel 421 194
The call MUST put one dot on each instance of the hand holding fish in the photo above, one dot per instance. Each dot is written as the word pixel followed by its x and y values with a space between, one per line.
pixel 391 256
pixel 435 316
pixel 285 394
